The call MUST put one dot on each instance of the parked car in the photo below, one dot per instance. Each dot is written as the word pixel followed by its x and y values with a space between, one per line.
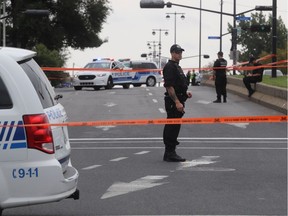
pixel 104 77
pixel 35 163
pixel 149 77
pixel 268 72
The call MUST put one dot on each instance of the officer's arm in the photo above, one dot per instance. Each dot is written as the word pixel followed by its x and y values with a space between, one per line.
pixel 172 94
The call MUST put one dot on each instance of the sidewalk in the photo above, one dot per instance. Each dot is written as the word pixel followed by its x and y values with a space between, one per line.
pixel 269 96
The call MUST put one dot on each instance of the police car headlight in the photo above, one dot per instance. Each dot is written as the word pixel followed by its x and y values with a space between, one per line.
pixel 101 74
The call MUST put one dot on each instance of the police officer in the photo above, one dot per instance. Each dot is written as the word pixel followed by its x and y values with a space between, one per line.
pixel 220 78
pixel 176 94
pixel 254 77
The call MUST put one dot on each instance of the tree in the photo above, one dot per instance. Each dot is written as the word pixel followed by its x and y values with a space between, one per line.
pixel 259 43
pixel 74 23
pixel 48 58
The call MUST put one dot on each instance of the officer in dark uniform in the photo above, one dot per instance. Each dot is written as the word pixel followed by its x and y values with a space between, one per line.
pixel 176 94
pixel 254 77
pixel 220 78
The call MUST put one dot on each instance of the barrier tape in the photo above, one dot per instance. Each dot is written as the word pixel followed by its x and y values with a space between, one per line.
pixel 208 120
pixel 269 65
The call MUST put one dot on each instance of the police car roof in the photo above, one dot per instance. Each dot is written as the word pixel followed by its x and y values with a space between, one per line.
pixel 17 54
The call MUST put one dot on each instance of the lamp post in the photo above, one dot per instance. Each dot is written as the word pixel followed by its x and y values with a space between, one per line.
pixel 175 14
pixel 200 35
pixel 160 33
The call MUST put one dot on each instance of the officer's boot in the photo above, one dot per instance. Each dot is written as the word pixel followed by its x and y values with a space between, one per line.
pixel 218 100
pixel 224 99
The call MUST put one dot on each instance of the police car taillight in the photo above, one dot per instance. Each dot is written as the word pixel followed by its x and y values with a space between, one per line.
pixel 39 136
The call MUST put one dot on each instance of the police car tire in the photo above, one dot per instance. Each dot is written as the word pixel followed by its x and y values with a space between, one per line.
pixel 150 81
pixel 0 212
pixel 109 83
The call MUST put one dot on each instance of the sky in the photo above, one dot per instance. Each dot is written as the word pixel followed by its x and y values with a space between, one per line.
pixel 129 28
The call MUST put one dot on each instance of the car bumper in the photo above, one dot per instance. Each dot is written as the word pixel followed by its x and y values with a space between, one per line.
pixel 90 83
pixel 50 184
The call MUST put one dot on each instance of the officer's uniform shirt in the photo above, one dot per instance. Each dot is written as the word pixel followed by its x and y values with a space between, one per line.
pixel 174 76
pixel 221 72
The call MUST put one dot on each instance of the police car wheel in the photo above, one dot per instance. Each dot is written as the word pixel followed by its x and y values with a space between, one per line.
pixel 0 212
pixel 150 81
pixel 109 83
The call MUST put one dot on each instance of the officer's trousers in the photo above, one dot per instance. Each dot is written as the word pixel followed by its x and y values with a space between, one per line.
pixel 171 131
pixel 220 85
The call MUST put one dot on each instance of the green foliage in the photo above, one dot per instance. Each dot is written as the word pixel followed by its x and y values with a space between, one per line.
pixel 74 23
pixel 280 81
pixel 260 43
pixel 48 58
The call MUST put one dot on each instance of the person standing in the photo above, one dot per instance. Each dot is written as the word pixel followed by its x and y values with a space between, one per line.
pixel 254 77
pixel 193 78
pixel 220 78
pixel 188 75
pixel 176 94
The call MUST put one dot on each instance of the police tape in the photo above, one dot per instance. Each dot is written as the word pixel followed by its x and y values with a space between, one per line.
pixel 207 120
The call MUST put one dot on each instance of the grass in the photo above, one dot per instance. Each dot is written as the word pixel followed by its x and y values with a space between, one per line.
pixel 280 81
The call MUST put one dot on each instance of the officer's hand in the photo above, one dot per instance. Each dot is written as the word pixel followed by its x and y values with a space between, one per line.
pixel 179 106
pixel 189 94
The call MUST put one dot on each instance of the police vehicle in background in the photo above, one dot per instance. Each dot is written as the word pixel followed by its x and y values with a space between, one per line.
pixel 104 76
pixel 143 76
pixel 35 163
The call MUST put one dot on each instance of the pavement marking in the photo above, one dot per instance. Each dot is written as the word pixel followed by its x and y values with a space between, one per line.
pixel 104 128
pixel 110 104
pixel 150 93
pixel 142 152
pixel 188 148
pixel 155 100
pixel 240 125
pixel 121 188
pixel 118 159
pixel 162 110
pixel 204 160
pixel 181 138
pixel 203 102
pixel 91 167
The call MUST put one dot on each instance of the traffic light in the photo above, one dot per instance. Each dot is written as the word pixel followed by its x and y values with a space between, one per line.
pixel 260 28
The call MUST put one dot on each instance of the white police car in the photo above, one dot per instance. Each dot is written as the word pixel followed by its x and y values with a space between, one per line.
pixel 35 165
pixel 104 76
pixel 148 77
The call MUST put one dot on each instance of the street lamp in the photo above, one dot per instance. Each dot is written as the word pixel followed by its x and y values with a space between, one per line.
pixel 175 14
pixel 160 33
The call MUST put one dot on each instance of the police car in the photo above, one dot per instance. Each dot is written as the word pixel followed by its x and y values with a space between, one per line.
pixel 35 164
pixel 104 76
pixel 149 77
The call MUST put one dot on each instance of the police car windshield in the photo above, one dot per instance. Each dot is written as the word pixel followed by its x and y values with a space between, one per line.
pixel 105 65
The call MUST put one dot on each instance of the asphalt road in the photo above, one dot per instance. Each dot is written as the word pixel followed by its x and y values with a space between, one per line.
pixel 231 169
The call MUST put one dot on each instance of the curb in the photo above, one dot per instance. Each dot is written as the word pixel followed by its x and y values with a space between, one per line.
pixel 269 96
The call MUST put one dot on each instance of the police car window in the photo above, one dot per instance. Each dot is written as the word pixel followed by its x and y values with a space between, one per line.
pixel 39 82
pixel 5 99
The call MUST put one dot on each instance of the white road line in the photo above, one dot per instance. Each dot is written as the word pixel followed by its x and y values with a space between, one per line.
pixel 180 138
pixel 91 167
pixel 155 101
pixel 191 148
pixel 162 110
pixel 142 152
pixel 118 159
pixel 150 93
